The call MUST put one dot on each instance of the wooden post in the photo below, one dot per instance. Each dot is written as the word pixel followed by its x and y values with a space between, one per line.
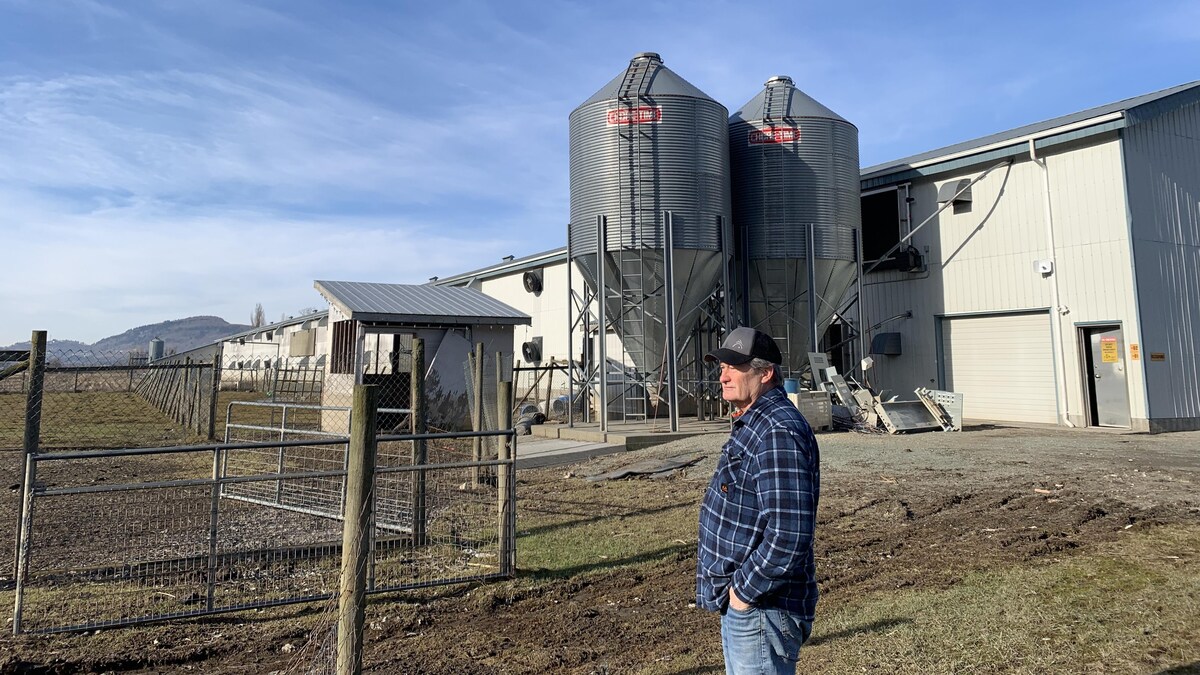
pixel 477 413
pixel 419 454
pixel 490 473
pixel 549 384
pixel 214 392
pixel 33 427
pixel 504 480
pixel 24 533
pixel 501 378
pixel 356 530
pixel 192 393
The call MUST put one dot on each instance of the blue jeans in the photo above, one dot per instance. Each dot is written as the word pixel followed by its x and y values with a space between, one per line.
pixel 761 641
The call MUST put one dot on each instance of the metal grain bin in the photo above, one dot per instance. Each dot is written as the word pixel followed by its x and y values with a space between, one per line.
pixel 156 350
pixel 649 143
pixel 794 163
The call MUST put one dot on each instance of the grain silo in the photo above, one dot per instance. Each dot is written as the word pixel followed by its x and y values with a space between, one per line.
pixel 650 169
pixel 795 177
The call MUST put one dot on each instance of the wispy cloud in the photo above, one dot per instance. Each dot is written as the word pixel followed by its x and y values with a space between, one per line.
pixel 161 159
pixel 216 188
pixel 85 276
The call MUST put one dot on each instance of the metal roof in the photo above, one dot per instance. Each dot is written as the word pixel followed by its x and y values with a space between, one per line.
pixel 1116 108
pixel 417 304
pixel 659 81
pixel 290 321
pixel 785 101
pixel 529 262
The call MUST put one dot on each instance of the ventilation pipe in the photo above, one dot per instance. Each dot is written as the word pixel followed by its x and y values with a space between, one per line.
pixel 1058 310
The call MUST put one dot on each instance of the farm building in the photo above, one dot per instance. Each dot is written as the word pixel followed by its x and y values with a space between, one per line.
pixel 1050 273
pixel 1057 275
pixel 365 336
pixel 251 359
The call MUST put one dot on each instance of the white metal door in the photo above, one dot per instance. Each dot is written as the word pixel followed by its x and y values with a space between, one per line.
pixel 1003 364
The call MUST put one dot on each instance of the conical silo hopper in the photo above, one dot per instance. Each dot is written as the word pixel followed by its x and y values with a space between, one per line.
pixel 646 144
pixel 794 165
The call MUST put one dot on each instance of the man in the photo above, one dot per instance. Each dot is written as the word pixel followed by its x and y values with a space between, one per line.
pixel 755 563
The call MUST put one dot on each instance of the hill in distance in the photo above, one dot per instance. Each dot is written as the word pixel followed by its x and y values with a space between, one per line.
pixel 178 336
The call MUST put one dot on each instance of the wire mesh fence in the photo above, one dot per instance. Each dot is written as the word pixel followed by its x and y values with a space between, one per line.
pixel 125 536
pixel 183 488
pixel 90 400
pixel 108 399
pixel 543 388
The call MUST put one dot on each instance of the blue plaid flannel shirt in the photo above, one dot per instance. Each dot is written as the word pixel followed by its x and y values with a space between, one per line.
pixel 759 512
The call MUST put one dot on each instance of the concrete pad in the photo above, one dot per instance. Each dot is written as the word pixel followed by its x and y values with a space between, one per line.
pixel 534 452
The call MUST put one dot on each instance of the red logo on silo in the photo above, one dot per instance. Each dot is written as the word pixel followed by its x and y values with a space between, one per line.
pixel 773 135
pixel 640 115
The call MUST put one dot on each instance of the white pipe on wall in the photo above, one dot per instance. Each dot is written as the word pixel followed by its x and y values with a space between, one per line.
pixel 1057 311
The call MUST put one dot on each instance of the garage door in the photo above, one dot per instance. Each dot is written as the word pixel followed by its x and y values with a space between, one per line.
pixel 1003 364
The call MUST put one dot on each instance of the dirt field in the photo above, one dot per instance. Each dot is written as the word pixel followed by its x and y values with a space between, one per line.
pixel 998 550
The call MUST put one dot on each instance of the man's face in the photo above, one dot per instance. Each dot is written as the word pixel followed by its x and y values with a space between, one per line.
pixel 741 385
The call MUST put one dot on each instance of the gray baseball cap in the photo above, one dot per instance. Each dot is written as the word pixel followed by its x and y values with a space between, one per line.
pixel 743 344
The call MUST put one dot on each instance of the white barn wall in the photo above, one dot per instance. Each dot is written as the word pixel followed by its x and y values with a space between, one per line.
pixel 977 262
pixel 256 348
pixel 982 261
pixel 548 309
pixel 1095 264
pixel 1162 164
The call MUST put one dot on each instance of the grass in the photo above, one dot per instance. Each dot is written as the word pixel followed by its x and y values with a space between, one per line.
pixel 1129 606
pixel 1126 608
pixel 615 523
pixel 104 419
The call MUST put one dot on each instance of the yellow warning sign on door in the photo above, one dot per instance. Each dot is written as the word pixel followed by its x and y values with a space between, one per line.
pixel 1108 350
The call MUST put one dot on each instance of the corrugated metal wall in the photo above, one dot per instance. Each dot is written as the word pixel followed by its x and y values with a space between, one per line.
pixel 1094 261
pixel 1162 164
pixel 982 261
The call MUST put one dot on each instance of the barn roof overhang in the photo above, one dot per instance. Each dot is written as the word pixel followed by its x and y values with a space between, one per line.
pixel 407 304
pixel 1088 125
pixel 515 266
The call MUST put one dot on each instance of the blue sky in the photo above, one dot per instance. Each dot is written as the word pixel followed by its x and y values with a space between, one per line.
pixel 165 159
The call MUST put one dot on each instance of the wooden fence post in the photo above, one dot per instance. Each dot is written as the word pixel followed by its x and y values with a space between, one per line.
pixel 214 392
pixel 33 422
pixel 549 386
pixel 419 447
pixel 192 395
pixel 477 413
pixel 504 480
pixel 356 530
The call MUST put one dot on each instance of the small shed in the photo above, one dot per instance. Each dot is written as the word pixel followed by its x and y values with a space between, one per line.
pixel 372 326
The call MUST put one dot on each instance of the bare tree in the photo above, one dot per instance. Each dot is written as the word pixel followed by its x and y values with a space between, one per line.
pixel 259 318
